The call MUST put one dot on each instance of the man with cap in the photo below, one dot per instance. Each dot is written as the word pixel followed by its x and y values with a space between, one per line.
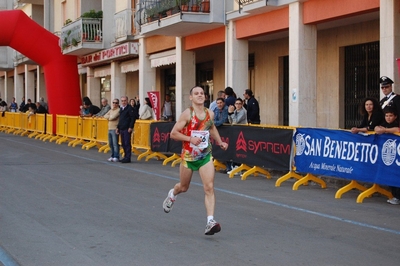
pixel 391 98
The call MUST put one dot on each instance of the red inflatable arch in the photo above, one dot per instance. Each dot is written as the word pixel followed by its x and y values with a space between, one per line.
pixel 60 71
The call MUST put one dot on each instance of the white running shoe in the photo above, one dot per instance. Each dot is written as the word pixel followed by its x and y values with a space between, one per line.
pixel 110 159
pixel 394 201
pixel 168 202
pixel 115 160
pixel 212 227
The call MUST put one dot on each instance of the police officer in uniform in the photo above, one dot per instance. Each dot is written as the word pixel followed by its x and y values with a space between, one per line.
pixel 391 98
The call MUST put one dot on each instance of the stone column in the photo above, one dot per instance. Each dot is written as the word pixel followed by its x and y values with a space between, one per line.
pixel 390 40
pixel 118 82
pixel 236 61
pixel 93 87
pixel 302 69
pixel 147 74
pixel 185 76
pixel 18 90
pixel 29 86
pixel 40 84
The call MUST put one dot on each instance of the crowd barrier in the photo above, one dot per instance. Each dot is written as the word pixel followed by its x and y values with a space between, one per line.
pixel 307 154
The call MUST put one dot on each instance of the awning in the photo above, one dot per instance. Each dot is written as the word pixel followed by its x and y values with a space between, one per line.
pixel 163 58
pixel 102 71
pixel 130 66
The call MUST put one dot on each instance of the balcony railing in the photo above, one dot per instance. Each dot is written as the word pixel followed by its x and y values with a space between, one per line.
pixel 80 32
pixel 153 10
pixel 124 24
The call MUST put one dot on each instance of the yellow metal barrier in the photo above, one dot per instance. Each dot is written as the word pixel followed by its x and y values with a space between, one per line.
pixel 61 129
pixel 141 140
pixel 102 134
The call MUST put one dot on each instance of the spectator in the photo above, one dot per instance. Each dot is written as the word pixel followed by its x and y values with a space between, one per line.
pixel 146 111
pixel 125 127
pixel 43 103
pixel 89 108
pixel 391 98
pixel 113 118
pixel 105 107
pixel 252 107
pixel 391 125
pixel 230 97
pixel 167 109
pixel 237 114
pixel 13 106
pixel 22 105
pixel 207 100
pixel 220 113
pixel 372 116
pixel 40 109
pixel 213 105
pixel 3 107
pixel 135 105
pixel 29 104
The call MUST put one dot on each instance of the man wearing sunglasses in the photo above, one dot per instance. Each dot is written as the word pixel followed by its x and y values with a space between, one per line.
pixel 390 98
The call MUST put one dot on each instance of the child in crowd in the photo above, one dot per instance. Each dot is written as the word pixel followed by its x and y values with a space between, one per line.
pixel 391 125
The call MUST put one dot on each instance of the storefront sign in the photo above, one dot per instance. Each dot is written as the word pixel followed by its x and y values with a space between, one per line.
pixel 130 48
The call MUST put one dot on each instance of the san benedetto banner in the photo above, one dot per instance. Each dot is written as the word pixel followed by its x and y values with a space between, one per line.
pixel 370 158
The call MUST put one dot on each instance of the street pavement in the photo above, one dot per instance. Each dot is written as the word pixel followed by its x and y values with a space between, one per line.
pixel 62 205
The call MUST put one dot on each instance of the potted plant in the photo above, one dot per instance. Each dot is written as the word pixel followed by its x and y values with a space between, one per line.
pixel 205 6
pixel 184 4
pixel 93 14
pixel 167 6
pixel 67 22
pixel 152 13
pixel 196 6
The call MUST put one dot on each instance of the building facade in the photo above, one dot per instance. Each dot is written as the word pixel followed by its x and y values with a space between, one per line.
pixel 309 63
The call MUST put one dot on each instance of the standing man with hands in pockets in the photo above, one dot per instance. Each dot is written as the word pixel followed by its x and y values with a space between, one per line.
pixel 125 125
pixel 194 128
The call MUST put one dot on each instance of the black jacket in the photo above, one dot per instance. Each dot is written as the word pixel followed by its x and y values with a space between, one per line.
pixel 126 118
pixel 253 111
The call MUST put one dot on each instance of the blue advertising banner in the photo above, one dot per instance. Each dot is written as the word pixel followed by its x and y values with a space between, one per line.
pixel 369 158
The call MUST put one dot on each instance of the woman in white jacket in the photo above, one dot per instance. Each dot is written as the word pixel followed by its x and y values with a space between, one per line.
pixel 146 111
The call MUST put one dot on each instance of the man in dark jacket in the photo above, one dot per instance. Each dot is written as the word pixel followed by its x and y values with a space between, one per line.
pixel 40 109
pixel 252 107
pixel 125 128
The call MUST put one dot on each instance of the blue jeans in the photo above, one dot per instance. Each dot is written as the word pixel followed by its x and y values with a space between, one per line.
pixel 113 143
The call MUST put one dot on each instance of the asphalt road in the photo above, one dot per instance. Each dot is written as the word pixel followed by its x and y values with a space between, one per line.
pixel 61 205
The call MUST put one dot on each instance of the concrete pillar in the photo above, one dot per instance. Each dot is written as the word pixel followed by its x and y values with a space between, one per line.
pixel 18 91
pixel 302 69
pixel 29 86
pixel 390 40
pixel 185 76
pixel 236 60
pixel 118 82
pixel 3 84
pixel 9 88
pixel 40 84
pixel 93 87
pixel 147 74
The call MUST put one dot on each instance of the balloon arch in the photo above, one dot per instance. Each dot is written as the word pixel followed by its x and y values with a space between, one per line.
pixel 60 71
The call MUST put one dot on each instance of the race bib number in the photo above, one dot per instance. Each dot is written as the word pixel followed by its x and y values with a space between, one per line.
pixel 203 135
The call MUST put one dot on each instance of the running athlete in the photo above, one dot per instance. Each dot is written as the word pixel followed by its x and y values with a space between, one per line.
pixel 194 128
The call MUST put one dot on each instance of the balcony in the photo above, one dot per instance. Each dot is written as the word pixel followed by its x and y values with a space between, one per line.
pixel 179 17
pixel 254 7
pixel 22 59
pixel 124 25
pixel 82 36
